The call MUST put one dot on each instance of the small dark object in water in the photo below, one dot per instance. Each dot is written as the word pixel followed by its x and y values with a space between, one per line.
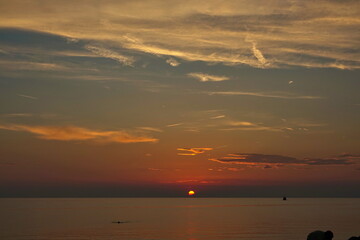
pixel 284 198
pixel 320 235
pixel 118 222
pixel 354 238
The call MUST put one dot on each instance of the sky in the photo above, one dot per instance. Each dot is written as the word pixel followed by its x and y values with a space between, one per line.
pixel 155 98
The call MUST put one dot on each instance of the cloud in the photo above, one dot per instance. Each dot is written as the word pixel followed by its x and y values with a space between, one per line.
pixel 27 96
pixel 31 66
pixel 174 125
pixel 218 117
pixel 202 77
pixel 151 129
pixel 3 51
pixel 192 151
pixel 286 125
pixel 107 53
pixel 73 133
pixel 194 181
pixel 258 54
pixel 266 95
pixel 248 126
pixel 269 161
pixel 289 33
pixel 172 62
pixel 30 115
pixel 21 115
pixel 241 123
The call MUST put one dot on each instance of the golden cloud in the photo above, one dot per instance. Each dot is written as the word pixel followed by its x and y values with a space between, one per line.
pixel 280 33
pixel 202 77
pixel 192 151
pixel 73 133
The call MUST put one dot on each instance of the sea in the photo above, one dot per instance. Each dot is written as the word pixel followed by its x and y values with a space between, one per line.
pixel 177 218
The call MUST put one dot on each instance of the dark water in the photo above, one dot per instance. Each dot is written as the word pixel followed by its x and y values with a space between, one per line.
pixel 176 218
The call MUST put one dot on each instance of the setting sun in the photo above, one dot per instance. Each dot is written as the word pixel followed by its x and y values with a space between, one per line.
pixel 191 193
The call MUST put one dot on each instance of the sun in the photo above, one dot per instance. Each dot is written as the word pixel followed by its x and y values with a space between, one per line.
pixel 191 193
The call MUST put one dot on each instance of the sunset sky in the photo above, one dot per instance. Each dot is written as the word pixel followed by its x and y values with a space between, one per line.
pixel 156 98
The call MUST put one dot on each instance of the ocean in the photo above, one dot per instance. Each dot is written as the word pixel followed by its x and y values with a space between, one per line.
pixel 176 218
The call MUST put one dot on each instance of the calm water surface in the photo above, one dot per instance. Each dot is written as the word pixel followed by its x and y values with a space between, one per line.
pixel 176 218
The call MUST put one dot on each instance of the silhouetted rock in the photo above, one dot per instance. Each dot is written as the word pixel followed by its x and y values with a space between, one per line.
pixel 354 238
pixel 320 235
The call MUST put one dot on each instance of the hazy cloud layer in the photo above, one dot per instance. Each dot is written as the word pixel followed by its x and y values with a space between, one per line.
pixel 73 133
pixel 321 34
pixel 269 161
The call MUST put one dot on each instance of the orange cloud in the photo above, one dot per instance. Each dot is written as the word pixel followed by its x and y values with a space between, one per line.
pixel 73 133
pixel 192 151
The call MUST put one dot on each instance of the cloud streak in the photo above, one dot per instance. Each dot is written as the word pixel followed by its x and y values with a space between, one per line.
pixel 31 66
pixel 73 133
pixel 107 53
pixel 266 95
pixel 27 96
pixel 150 129
pixel 255 159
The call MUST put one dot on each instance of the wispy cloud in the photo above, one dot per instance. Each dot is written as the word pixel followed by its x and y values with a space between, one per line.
pixel 258 54
pixel 192 151
pixel 286 32
pixel 193 181
pixel 266 95
pixel 218 117
pixel 241 123
pixel 255 159
pixel 107 53
pixel 174 124
pixel 73 133
pixel 262 62
pixel 31 66
pixel 20 115
pixel 232 125
pixel 30 115
pixel 172 62
pixel 27 96
pixel 202 77
pixel 151 129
